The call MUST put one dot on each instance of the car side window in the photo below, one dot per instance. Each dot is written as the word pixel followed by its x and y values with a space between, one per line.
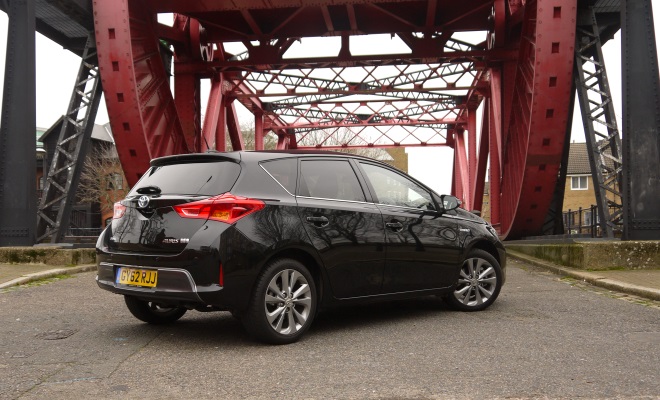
pixel 396 190
pixel 285 172
pixel 329 179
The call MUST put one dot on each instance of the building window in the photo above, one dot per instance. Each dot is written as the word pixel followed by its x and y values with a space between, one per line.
pixel 115 181
pixel 579 182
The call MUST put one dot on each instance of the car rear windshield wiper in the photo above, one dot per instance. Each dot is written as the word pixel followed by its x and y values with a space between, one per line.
pixel 149 190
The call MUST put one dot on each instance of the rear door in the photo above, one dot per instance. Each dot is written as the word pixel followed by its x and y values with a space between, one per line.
pixel 422 248
pixel 345 228
pixel 150 224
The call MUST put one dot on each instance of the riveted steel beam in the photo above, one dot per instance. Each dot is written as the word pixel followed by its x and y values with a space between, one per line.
pixel 641 122
pixel 17 133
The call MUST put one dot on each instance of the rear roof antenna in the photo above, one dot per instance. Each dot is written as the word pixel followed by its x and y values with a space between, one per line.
pixel 208 148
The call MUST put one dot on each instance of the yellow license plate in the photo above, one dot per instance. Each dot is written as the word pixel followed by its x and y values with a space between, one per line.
pixel 137 277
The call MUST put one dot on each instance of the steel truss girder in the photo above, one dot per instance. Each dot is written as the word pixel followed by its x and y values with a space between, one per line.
pixel 338 137
pixel 411 96
pixel 369 113
pixel 428 79
pixel 72 144
pixel 494 56
pixel 600 127
pixel 384 96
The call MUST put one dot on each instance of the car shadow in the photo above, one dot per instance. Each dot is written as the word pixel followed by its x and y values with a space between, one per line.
pixel 377 313
pixel 222 329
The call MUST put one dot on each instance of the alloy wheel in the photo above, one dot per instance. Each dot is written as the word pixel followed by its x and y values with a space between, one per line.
pixel 477 282
pixel 288 302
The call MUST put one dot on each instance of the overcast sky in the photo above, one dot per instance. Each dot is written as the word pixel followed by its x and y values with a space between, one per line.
pixel 57 69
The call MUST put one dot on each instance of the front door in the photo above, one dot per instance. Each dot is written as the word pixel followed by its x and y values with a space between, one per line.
pixel 422 250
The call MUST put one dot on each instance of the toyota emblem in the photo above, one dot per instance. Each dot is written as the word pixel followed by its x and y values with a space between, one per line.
pixel 143 202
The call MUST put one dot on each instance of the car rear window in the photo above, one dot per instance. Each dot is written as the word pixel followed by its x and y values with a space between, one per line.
pixel 329 179
pixel 207 178
pixel 285 172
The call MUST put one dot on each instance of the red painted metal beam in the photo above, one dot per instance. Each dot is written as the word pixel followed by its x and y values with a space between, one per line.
pixel 213 131
pixel 495 176
pixel 142 113
pixel 273 19
pixel 273 61
pixel 234 128
pixel 496 110
pixel 461 170
pixel 472 148
pixel 478 183
pixel 187 100
pixel 539 112
pixel 258 130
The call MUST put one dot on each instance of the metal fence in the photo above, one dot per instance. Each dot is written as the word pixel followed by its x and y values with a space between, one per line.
pixel 583 221
pixel 84 232
pixel 81 223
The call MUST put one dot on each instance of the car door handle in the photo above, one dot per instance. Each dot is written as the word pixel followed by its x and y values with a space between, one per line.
pixel 394 225
pixel 318 221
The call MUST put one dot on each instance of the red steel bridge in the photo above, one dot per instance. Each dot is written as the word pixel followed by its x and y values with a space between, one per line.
pixel 492 79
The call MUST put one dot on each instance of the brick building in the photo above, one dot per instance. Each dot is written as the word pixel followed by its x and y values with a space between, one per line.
pixel 87 217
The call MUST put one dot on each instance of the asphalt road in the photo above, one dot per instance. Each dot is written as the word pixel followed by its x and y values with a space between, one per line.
pixel 542 338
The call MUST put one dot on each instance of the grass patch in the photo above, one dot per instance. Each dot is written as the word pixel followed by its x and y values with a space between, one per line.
pixel 615 268
pixel 38 282
pixel 630 298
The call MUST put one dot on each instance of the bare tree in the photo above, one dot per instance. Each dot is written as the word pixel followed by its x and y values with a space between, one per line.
pixel 312 138
pixel 340 137
pixel 247 131
pixel 102 178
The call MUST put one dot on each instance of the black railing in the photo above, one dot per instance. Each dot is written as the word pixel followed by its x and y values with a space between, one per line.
pixel 73 231
pixel 583 221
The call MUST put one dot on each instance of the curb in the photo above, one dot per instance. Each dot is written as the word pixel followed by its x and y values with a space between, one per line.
pixel 47 274
pixel 590 277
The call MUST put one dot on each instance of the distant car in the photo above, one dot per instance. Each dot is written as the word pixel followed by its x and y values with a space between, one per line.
pixel 274 236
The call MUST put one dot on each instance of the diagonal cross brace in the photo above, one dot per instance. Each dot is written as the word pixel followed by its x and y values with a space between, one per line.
pixel 68 159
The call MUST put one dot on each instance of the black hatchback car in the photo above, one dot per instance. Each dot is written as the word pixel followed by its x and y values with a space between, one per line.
pixel 274 236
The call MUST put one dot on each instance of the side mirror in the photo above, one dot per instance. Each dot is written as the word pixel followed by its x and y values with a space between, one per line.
pixel 449 202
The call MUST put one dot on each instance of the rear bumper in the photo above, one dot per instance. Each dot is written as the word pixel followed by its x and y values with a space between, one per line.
pixel 175 286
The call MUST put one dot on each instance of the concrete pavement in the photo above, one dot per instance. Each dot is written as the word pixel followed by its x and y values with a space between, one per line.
pixel 542 339
pixel 20 274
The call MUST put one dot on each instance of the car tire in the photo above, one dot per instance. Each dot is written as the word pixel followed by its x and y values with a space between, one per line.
pixel 152 312
pixel 479 282
pixel 283 303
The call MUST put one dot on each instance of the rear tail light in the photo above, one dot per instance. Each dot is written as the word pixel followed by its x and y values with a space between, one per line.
pixel 225 207
pixel 119 210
